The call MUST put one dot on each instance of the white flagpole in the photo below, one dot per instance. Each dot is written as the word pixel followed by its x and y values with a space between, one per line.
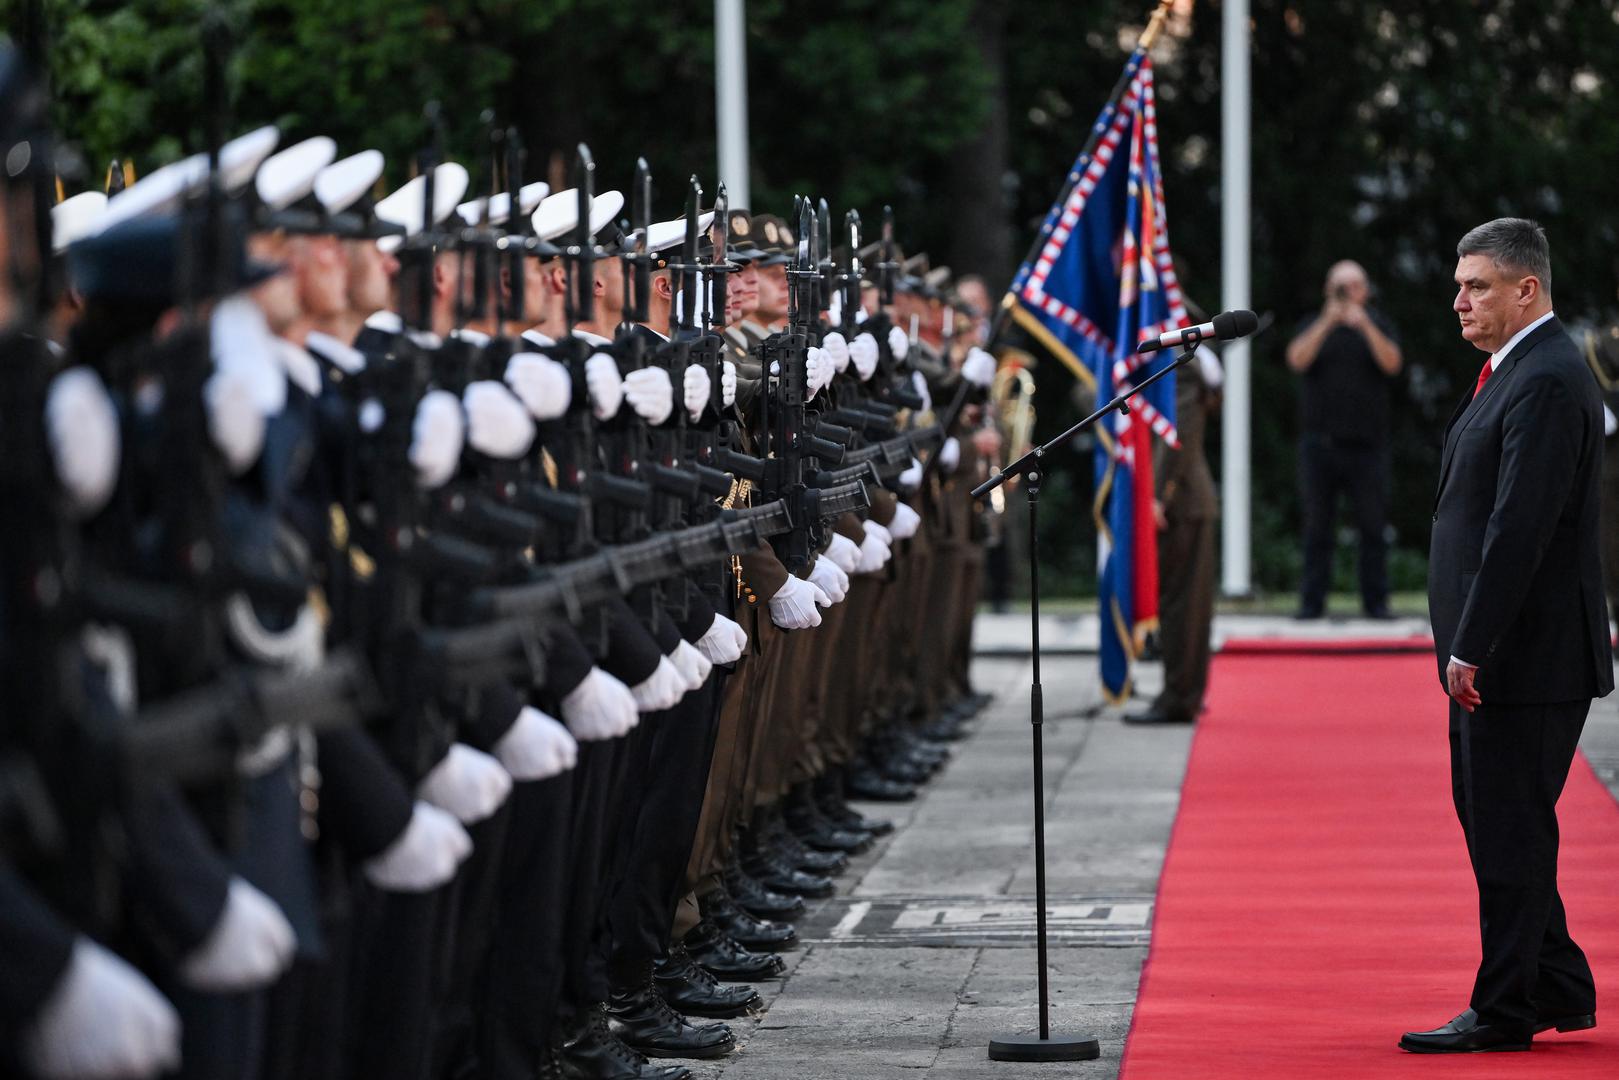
pixel 1235 513
pixel 731 98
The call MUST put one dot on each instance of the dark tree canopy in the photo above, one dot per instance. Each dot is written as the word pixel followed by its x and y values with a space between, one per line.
pixel 1381 132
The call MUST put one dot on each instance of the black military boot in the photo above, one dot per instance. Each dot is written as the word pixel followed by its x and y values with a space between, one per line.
pixel 688 988
pixel 865 781
pixel 829 796
pixel 725 959
pixel 768 868
pixel 592 1052
pixel 742 926
pixel 644 1021
pixel 803 817
pixel 794 852
pixel 758 900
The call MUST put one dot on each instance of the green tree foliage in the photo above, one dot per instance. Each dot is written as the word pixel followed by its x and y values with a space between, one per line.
pixel 1382 131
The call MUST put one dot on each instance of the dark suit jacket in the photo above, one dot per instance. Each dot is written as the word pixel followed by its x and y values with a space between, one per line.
pixel 1514 568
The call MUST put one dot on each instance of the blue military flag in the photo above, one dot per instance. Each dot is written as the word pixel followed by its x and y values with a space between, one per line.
pixel 1101 282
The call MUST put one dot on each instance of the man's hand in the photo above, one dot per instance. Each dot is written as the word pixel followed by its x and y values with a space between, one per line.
pixel 1353 316
pixel 1459 685
pixel 1158 516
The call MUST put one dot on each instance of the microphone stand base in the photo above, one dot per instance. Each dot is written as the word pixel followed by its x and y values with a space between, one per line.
pixel 1034 1048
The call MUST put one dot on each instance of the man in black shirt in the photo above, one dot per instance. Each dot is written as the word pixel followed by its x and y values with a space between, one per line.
pixel 1346 356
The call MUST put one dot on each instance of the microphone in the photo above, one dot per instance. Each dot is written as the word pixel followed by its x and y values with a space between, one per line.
pixel 1223 327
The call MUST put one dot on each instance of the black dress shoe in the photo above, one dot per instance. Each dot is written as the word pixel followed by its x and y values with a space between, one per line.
pixel 794 852
pixel 744 927
pixel 803 816
pixel 832 805
pixel 755 899
pixel 1465 1035
pixel 820 834
pixel 1381 613
pixel 867 783
pixel 773 874
pixel 645 1022
pixel 688 988
pixel 725 959
pixel 1567 1022
pixel 592 1052
pixel 1308 614
pixel 1156 716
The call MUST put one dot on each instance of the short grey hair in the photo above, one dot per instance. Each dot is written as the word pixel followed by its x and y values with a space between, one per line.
pixel 1513 244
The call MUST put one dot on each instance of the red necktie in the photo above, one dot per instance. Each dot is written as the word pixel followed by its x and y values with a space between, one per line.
pixel 1483 377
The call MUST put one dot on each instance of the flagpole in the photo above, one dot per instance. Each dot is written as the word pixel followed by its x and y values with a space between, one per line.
pixel 1149 36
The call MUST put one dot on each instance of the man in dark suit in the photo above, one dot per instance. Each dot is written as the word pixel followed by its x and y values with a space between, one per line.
pixel 1520 629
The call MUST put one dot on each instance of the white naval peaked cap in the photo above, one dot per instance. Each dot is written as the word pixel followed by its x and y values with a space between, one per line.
pixel 239 159
pixel 341 184
pixel 559 213
pixel 404 207
pixel 75 218
pixel 290 175
pixel 162 191
pixel 662 235
pixel 499 205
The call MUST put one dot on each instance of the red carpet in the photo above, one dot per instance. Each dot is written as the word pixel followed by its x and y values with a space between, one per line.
pixel 1316 901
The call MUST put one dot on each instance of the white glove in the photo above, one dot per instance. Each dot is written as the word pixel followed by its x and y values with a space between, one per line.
pixel 424 856
pixel 599 708
pixel 793 606
pixel 605 385
pixel 650 394
pixel 827 576
pixel 843 551
pixel 906 522
pixel 898 343
pixel 911 478
pixel 692 665
pixel 437 435
pixel 837 349
pixel 536 747
pixel 248 948
pixel 728 384
pixel 875 549
pixel 468 783
pixel 234 422
pixel 863 352
pixel 979 367
pixel 103 1019
pixel 724 641
pixel 497 423
pixel 818 370
pixel 240 342
pixel 540 383
pixel 920 385
pixel 695 389
pixel 950 454
pixel 660 690
pixel 82 428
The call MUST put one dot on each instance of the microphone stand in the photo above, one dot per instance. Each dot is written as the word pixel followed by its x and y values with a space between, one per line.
pixel 1045 1046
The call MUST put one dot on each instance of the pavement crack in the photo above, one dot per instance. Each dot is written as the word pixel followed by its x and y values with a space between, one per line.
pixel 961 999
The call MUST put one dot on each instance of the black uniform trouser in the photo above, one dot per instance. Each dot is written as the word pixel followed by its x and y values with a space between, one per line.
pixel 596 793
pixel 392 986
pixel 466 926
pixel 1508 764
pixel 1328 467
pixel 524 981
pixel 663 830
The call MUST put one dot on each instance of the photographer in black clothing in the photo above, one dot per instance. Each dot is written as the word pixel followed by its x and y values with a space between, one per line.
pixel 1345 354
